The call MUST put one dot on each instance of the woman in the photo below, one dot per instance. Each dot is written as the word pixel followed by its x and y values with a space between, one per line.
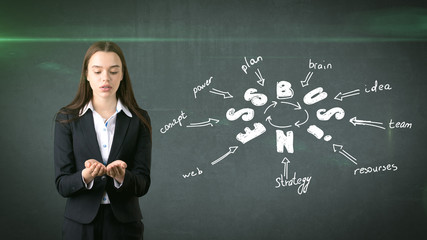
pixel 102 151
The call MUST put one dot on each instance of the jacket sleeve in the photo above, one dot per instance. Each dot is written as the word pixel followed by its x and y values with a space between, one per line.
pixel 67 178
pixel 137 179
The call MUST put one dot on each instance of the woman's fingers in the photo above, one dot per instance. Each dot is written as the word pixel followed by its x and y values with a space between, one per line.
pixel 112 170
pixel 90 162
pixel 97 169
pixel 117 170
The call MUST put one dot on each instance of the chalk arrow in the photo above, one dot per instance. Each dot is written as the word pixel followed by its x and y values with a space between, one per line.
pixel 268 119
pixel 341 96
pixel 298 124
pixel 285 167
pixel 339 149
pixel 230 151
pixel 274 103
pixel 261 79
pixel 307 79
pixel 219 92
pixel 204 124
pixel 356 122
pixel 297 106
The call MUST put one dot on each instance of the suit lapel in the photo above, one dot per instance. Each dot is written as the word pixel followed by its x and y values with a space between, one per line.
pixel 89 134
pixel 122 125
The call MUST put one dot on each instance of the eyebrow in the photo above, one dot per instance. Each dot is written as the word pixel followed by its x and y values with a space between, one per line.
pixel 113 66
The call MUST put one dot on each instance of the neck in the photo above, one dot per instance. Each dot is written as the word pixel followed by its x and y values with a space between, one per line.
pixel 104 105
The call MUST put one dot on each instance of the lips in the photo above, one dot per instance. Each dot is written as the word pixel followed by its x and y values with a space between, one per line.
pixel 105 87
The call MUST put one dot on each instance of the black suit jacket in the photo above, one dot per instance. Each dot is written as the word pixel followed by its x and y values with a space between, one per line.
pixel 76 142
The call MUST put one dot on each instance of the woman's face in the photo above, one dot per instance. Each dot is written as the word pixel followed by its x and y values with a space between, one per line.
pixel 104 73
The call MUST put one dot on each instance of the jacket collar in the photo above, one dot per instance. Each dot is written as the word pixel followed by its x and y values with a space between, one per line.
pixel 119 107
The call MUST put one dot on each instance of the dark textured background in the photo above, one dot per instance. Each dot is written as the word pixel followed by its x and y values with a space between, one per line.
pixel 173 46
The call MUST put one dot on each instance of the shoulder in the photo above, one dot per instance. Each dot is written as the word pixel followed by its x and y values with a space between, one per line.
pixel 142 113
pixel 62 116
pixel 65 115
pixel 143 118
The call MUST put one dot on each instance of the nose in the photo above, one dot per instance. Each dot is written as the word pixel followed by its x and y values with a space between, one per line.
pixel 105 76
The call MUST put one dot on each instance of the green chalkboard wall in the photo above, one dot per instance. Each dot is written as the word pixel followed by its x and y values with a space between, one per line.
pixel 293 119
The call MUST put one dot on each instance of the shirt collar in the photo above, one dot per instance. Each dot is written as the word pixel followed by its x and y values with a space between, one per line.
pixel 119 107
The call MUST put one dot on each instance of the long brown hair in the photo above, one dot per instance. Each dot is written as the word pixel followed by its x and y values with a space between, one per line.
pixel 84 92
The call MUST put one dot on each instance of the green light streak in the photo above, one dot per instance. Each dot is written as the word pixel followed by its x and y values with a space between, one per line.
pixel 46 40
pixel 55 67
pixel 139 40
pixel 397 22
